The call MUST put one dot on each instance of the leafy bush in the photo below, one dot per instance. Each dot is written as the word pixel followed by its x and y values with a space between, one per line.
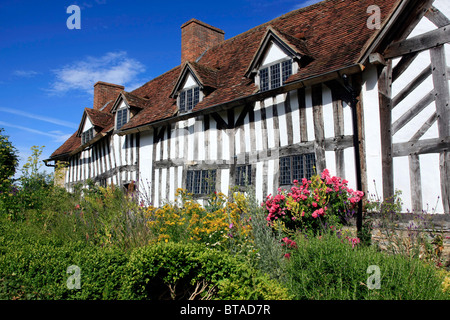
pixel 40 271
pixel 327 267
pixel 312 205
pixel 219 224
pixel 187 271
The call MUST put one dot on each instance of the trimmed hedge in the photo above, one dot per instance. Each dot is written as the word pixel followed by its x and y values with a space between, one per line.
pixel 40 272
pixel 173 270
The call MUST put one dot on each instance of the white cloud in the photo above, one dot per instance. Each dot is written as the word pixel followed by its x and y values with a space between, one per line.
pixel 113 67
pixel 25 73
pixel 57 136
pixel 40 117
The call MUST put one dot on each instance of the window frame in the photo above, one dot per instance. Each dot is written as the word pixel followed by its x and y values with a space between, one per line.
pixel 269 69
pixel 185 104
pixel 120 111
pixel 87 135
pixel 243 179
pixel 197 182
pixel 307 168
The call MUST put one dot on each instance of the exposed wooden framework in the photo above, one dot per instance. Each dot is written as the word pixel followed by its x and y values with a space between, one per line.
pixel 407 50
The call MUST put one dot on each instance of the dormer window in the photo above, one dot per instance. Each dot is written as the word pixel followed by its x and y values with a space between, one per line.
pixel 87 136
pixel 189 98
pixel 279 56
pixel 121 117
pixel 274 75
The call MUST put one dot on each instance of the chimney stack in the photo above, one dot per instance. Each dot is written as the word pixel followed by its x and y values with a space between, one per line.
pixel 105 92
pixel 196 38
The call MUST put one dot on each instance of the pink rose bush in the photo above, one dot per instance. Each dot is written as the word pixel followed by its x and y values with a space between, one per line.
pixel 311 205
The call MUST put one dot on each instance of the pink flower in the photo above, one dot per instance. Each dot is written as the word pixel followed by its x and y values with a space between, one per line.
pixel 77 206
pixel 354 241
pixel 287 255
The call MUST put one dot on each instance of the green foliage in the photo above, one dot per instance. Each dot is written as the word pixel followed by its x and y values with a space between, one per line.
pixel 181 271
pixel 30 193
pixel 327 267
pixel 40 271
pixel 8 164
pixel 8 161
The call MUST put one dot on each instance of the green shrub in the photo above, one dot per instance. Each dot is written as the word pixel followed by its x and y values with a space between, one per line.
pixel 40 271
pixel 329 268
pixel 182 271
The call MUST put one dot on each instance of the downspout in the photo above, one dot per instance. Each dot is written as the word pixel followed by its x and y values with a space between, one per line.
pixel 353 104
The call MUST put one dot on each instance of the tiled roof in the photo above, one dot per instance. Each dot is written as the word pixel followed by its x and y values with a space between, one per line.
pixel 333 32
pixel 136 101
pixel 71 144
pixel 99 118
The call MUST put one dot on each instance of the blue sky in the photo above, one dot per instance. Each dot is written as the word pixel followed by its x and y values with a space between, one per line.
pixel 48 71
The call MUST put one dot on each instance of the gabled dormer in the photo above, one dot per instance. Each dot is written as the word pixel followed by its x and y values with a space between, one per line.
pixel 194 83
pixel 93 124
pixel 88 132
pixel 125 107
pixel 278 57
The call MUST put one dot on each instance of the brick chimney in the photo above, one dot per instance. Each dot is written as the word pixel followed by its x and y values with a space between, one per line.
pixel 196 37
pixel 105 92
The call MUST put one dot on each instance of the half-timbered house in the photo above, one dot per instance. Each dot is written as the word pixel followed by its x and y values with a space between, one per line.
pixel 359 87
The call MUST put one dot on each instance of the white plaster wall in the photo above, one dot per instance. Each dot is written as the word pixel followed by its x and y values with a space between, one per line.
pixel 273 54
pixel 190 82
pixel 431 183
pixel 145 165
pixel 87 124
pixel 372 132
pixel 328 119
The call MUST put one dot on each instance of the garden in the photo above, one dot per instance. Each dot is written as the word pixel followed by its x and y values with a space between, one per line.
pixel 103 243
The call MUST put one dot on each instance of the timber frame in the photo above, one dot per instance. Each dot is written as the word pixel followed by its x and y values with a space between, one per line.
pixel 407 50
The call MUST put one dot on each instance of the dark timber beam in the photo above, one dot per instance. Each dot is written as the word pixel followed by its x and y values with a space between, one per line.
pixel 422 42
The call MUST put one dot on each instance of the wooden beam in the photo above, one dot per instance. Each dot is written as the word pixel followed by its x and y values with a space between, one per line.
pixel 319 133
pixel 221 124
pixel 301 96
pixel 411 86
pixel 415 183
pixel 437 17
pixel 435 145
pixel 403 64
pixel 424 128
pixel 241 118
pixel 441 88
pixel 444 168
pixel 412 112
pixel 377 59
pixel 422 42
pixel 385 105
